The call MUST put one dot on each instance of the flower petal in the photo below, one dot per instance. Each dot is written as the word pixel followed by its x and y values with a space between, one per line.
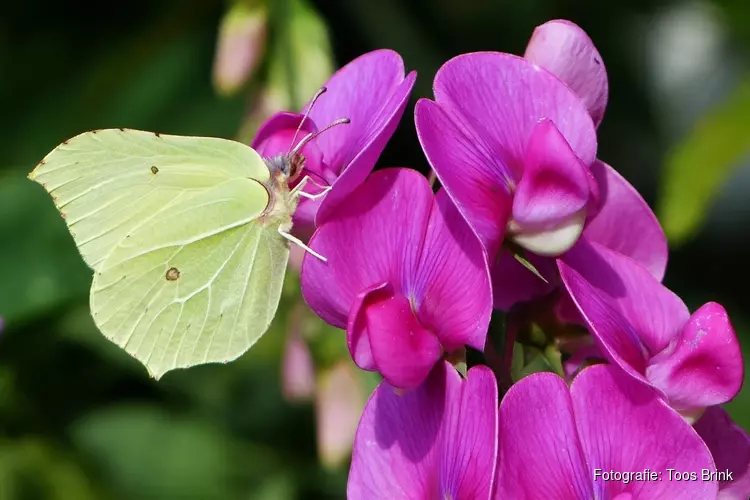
pixel 554 184
pixel 639 432
pixel 403 351
pixel 618 338
pixel 452 287
pixel 565 50
pixel 499 98
pixel 540 453
pixel 415 445
pixel 625 222
pixel 275 134
pixel 730 448
pixel 357 333
pixel 649 316
pixel 372 92
pixel 704 366
pixel 467 173
pixel 469 451
pixel 374 237
pixel 397 442
pixel 512 282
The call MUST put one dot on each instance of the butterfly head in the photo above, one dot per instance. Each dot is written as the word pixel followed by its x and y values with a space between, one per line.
pixel 288 167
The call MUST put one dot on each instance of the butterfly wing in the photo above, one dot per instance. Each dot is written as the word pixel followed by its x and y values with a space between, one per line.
pixel 186 271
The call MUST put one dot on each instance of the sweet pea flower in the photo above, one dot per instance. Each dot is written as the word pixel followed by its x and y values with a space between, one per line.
pixel 372 92
pixel 513 142
pixel 565 443
pixel 436 441
pixel 693 361
pixel 405 276
pixel 730 447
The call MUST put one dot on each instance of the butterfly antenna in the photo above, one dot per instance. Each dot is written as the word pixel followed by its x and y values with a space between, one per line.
pixel 304 117
pixel 312 135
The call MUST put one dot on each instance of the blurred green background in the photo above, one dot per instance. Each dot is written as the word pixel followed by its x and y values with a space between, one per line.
pixel 79 419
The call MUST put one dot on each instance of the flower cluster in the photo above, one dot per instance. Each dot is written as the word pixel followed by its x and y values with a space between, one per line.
pixel 527 222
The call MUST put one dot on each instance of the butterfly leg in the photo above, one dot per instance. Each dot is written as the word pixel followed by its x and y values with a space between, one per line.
pixel 297 190
pixel 314 196
pixel 299 243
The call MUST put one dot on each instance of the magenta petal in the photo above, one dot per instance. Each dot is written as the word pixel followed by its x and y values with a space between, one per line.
pixel 618 338
pixel 564 49
pixel 452 289
pixel 280 122
pixel 374 238
pixel 704 365
pixel 470 175
pixel 639 432
pixel 469 442
pixel 512 282
pixel 499 98
pixel 358 91
pixel 540 453
pixel 397 443
pixel 403 351
pixel 357 333
pixel 625 223
pixel 649 312
pixel 554 184
pixel 372 92
pixel 730 448
pixel 431 442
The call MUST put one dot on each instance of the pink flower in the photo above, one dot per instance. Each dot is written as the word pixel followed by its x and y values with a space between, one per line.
pixel 513 141
pixel 730 447
pixel 405 277
pixel 436 441
pixel 559 442
pixel 372 92
pixel 693 361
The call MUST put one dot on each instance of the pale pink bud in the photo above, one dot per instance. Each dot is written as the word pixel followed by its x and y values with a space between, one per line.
pixel 340 399
pixel 241 45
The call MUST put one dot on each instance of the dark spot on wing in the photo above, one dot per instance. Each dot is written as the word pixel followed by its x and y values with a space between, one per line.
pixel 157 134
pixel 173 274
pixel 121 129
pixel 154 170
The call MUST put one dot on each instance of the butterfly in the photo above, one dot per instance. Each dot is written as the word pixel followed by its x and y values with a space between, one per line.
pixel 188 237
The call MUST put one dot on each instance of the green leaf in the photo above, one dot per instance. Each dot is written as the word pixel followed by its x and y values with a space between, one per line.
pixel 32 468
pixel 299 62
pixel 39 264
pixel 702 162
pixel 146 453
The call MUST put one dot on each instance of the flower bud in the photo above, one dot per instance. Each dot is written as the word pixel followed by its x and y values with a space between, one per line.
pixel 241 45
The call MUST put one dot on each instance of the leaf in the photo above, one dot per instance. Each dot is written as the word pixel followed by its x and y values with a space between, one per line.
pixel 698 166
pixel 146 453
pixel 39 263
pixel 299 62
pixel 32 468
pixel 518 254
